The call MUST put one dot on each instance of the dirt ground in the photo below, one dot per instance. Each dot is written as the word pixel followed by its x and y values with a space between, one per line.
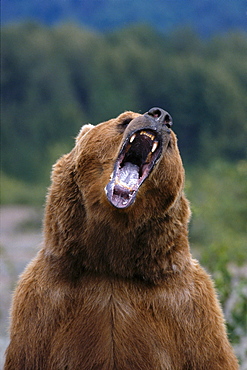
pixel 21 235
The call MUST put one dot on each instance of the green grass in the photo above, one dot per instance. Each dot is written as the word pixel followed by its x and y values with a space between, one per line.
pixel 14 191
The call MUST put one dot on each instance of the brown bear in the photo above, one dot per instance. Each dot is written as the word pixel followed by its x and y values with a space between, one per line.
pixel 114 285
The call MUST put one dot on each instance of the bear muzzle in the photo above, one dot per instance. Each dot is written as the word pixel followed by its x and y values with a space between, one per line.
pixel 144 141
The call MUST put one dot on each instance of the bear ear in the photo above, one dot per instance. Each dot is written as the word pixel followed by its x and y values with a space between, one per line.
pixel 83 131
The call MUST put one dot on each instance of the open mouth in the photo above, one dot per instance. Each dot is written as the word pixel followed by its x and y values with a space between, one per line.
pixel 134 164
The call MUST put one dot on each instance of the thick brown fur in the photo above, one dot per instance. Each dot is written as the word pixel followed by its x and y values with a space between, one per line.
pixel 116 288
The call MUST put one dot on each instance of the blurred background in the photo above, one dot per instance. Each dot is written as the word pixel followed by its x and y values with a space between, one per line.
pixel 69 62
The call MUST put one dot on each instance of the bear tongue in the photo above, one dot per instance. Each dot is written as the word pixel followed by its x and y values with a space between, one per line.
pixel 128 175
pixel 125 185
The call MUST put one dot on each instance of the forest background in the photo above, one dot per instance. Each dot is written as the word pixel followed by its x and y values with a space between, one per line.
pixel 72 63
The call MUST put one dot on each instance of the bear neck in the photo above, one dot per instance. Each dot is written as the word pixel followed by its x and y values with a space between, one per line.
pixel 150 250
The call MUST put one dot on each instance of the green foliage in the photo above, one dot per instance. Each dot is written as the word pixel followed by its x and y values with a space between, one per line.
pixel 15 191
pixel 38 107
pixel 218 234
pixel 56 79
pixel 219 205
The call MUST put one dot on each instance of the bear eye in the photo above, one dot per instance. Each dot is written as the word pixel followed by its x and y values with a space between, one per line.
pixel 122 126
pixel 126 122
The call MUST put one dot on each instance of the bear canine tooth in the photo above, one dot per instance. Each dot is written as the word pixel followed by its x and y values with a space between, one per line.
pixel 155 144
pixel 132 138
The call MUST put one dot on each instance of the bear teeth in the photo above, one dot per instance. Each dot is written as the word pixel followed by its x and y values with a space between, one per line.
pixel 155 145
pixel 152 137
pixel 132 138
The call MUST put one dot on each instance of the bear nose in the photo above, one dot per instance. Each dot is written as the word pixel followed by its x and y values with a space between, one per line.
pixel 161 116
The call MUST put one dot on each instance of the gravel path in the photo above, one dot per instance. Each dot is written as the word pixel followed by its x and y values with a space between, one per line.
pixel 21 235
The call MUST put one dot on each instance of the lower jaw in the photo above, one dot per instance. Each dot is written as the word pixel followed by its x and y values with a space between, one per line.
pixel 118 200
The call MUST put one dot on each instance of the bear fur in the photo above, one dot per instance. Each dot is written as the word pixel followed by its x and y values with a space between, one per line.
pixel 115 286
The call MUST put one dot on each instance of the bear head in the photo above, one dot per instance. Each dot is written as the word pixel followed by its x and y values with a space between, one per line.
pixel 118 193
